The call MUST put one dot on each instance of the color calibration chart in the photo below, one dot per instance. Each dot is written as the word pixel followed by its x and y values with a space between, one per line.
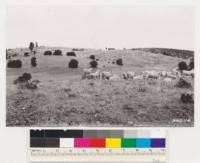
pixel 137 146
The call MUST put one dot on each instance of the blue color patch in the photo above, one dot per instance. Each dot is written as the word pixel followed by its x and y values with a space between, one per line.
pixel 143 143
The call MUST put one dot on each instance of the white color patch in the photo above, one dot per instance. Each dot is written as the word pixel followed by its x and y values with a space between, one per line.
pixel 66 142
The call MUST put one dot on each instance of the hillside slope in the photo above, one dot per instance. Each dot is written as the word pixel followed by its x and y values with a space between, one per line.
pixel 185 54
pixel 63 98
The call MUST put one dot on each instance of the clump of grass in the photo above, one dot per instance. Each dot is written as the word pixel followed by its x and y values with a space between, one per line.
pixel 91 84
pixel 72 95
pixel 182 83
pixel 127 108
pixel 67 89
pixel 186 98
pixel 152 82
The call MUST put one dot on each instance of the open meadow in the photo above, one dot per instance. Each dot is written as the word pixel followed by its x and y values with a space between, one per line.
pixel 64 98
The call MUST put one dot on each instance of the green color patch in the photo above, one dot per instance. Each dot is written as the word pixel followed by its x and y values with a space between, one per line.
pixel 128 143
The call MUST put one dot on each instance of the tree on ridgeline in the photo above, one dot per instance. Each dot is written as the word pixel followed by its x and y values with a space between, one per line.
pixel 36 44
pixel 31 46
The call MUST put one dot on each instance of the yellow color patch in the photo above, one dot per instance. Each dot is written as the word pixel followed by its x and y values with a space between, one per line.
pixel 113 143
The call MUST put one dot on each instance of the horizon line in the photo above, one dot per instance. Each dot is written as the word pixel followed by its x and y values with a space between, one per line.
pixel 103 48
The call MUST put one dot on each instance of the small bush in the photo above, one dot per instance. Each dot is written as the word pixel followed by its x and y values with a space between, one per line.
pixel 119 62
pixel 186 98
pixel 191 64
pixel 73 63
pixel 14 64
pixel 92 56
pixel 93 64
pixel 166 53
pixel 77 49
pixel 23 78
pixel 48 52
pixel 33 62
pixel 70 54
pixel 111 48
pixel 67 89
pixel 182 66
pixel 26 54
pixel 71 95
pixel 26 76
pixel 182 83
pixel 57 52
pixel 129 109
pixel 15 54
pixel 92 84
pixel 31 86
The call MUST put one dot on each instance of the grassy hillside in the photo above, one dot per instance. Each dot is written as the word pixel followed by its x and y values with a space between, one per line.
pixel 63 98
pixel 185 54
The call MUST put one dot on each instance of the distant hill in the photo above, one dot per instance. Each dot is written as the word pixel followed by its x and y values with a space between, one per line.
pixel 185 54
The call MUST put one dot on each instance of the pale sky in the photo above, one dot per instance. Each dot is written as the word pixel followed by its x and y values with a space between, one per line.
pixel 100 26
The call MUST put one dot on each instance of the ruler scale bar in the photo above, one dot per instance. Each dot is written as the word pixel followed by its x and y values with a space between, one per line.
pixel 96 154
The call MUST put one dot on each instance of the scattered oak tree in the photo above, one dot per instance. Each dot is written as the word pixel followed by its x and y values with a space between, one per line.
pixel 182 66
pixel 119 62
pixel 73 63
pixel 93 64
pixel 33 62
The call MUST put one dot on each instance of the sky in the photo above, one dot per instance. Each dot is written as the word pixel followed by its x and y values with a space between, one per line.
pixel 100 26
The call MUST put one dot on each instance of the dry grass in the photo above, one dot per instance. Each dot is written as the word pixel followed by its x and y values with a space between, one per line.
pixel 63 98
